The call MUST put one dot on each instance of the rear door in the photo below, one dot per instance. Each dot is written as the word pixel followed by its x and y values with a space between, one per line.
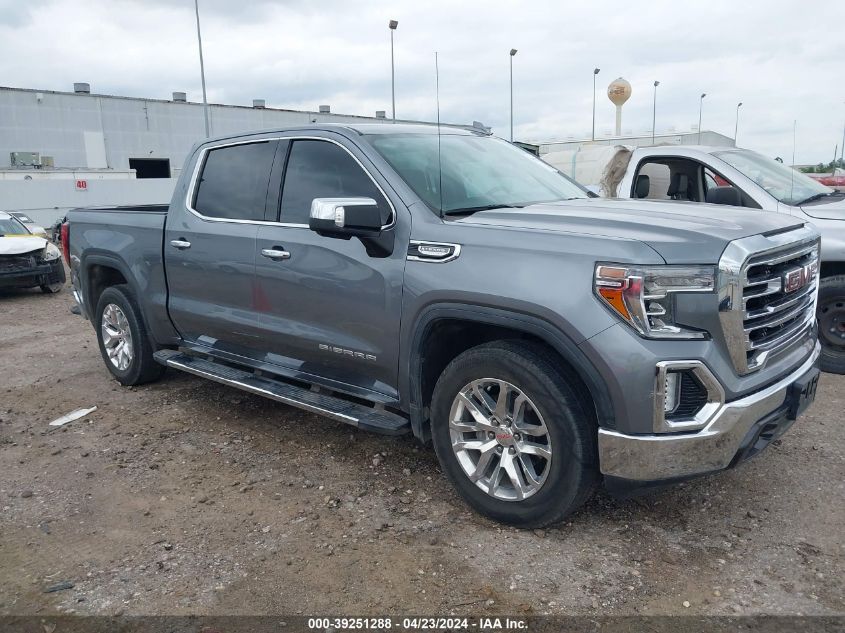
pixel 210 245
pixel 330 308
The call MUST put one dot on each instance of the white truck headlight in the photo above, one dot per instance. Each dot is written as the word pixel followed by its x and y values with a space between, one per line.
pixel 643 296
pixel 50 253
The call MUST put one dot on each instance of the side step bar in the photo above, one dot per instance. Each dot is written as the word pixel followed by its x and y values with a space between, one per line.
pixel 361 416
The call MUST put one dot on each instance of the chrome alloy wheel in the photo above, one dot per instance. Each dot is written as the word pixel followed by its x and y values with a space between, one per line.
pixel 500 439
pixel 117 337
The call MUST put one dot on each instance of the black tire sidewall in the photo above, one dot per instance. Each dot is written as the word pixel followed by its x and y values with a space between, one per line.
pixel 118 296
pixel 831 289
pixel 573 455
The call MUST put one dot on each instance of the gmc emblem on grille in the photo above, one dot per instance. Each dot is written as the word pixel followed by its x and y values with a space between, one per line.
pixel 797 278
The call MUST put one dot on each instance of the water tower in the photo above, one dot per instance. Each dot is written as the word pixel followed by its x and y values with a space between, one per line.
pixel 619 91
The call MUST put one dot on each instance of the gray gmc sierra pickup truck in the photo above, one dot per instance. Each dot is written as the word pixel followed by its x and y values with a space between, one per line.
pixel 455 287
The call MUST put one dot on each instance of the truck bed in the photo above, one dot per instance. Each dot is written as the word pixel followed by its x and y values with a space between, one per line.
pixel 130 239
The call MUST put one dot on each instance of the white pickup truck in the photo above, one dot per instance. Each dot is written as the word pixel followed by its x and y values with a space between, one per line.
pixel 728 176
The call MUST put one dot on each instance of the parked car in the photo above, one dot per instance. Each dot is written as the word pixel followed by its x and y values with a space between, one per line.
pixel 455 287
pixel 29 223
pixel 28 260
pixel 56 230
pixel 742 178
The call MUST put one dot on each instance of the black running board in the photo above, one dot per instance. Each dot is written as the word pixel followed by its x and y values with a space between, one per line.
pixel 377 420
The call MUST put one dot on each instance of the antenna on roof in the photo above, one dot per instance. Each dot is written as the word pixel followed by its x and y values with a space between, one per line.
pixel 439 163
pixel 792 176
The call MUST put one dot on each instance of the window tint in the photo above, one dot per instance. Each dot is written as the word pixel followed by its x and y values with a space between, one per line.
pixel 319 169
pixel 234 181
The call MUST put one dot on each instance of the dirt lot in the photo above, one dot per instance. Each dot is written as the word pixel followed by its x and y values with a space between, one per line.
pixel 188 497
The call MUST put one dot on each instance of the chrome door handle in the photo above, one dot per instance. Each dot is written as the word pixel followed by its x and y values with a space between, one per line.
pixel 180 244
pixel 275 254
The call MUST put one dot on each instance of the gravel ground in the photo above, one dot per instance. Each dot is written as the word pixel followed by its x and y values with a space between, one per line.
pixel 188 497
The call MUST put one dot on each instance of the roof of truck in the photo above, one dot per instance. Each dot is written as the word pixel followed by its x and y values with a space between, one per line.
pixel 404 128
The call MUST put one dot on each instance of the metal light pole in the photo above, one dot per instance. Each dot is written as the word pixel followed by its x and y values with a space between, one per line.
pixel 736 126
pixel 654 112
pixel 202 71
pixel 700 108
pixel 596 71
pixel 842 148
pixel 513 52
pixel 392 25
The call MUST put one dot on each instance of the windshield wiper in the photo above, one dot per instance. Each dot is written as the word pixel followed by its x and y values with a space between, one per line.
pixel 483 207
pixel 815 196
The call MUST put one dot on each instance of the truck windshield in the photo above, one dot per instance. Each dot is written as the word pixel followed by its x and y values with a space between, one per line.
pixel 788 185
pixel 471 173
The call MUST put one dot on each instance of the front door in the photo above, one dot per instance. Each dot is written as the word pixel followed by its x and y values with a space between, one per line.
pixel 330 308
pixel 209 248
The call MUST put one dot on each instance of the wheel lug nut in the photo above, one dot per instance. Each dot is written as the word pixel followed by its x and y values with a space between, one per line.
pixel 511 450
pixel 499 450
pixel 516 436
pixel 491 435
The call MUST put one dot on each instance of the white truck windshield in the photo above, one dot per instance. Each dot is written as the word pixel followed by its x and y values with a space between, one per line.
pixel 782 182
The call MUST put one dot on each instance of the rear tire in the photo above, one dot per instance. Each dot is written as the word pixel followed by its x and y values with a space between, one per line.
pixel 831 315
pixel 528 490
pixel 122 338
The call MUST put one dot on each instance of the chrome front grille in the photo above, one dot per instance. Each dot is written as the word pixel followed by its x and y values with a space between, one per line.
pixel 768 288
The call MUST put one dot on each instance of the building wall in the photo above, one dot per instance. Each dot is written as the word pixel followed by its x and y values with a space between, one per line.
pixel 98 131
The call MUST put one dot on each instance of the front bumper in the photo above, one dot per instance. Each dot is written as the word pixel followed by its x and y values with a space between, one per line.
pixel 733 433
pixel 42 273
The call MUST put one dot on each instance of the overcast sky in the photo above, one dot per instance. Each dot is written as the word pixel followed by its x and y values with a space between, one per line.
pixel 785 60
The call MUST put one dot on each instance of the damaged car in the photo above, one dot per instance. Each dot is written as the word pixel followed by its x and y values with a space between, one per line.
pixel 27 260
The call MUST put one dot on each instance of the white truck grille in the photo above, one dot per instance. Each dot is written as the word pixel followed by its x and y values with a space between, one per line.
pixel 768 291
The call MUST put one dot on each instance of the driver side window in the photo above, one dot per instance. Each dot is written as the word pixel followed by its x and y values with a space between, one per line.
pixel 320 169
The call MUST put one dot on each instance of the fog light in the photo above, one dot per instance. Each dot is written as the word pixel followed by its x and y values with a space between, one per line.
pixel 687 396
pixel 671 389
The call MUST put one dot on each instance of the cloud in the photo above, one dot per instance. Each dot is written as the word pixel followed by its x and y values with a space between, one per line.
pixel 782 59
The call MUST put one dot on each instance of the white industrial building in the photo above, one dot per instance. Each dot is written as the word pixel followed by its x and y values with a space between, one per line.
pixel 59 150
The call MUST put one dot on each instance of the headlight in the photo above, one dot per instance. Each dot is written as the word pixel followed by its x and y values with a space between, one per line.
pixel 644 295
pixel 50 253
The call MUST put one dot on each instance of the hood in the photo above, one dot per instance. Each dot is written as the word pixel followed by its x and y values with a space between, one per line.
pixel 832 208
pixel 681 232
pixel 19 244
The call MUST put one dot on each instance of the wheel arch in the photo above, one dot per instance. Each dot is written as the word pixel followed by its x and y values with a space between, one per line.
pixel 458 327
pixel 100 271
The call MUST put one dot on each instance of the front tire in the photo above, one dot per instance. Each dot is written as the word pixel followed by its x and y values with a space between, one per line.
pixel 512 435
pixel 122 338
pixel 831 315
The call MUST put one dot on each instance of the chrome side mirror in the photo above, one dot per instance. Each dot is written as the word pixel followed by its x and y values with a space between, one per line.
pixel 345 217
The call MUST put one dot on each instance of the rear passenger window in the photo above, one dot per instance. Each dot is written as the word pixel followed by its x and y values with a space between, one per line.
pixel 233 182
pixel 319 169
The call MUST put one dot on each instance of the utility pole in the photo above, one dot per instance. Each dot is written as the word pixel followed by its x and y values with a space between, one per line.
pixel 596 71
pixel 392 26
pixel 513 52
pixel 654 112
